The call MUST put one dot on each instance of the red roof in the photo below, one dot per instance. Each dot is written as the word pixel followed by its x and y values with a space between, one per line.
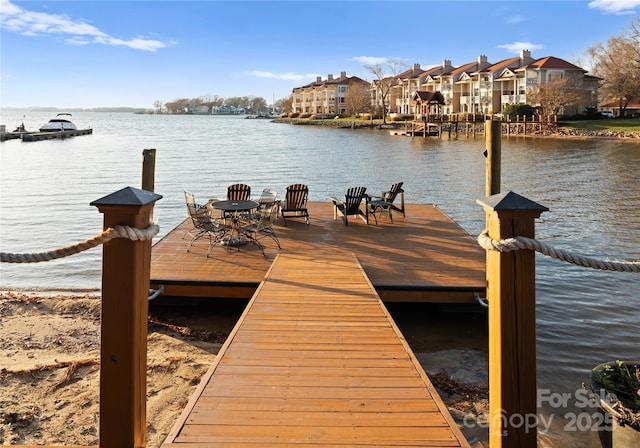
pixel 503 64
pixel 471 66
pixel 551 62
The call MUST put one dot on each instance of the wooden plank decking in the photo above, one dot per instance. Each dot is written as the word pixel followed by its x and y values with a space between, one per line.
pixel 423 257
pixel 315 361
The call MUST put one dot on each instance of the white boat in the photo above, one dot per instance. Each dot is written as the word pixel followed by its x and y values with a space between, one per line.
pixel 61 122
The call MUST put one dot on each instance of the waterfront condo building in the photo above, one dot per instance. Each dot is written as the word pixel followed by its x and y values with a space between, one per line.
pixel 325 96
pixel 476 87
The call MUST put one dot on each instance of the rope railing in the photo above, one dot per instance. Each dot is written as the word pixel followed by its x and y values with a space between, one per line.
pixel 111 233
pixel 521 242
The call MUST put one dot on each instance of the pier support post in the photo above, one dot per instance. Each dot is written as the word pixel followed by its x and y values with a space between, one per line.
pixel 125 291
pixel 493 145
pixel 511 294
pixel 148 169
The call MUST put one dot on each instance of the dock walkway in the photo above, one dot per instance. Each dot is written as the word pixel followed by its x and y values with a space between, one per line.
pixel 315 361
pixel 424 257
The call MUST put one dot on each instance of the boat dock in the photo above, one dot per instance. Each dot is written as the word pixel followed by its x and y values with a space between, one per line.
pixel 425 257
pixel 37 136
pixel 315 360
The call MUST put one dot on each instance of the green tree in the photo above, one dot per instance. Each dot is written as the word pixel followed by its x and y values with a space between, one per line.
pixel 514 110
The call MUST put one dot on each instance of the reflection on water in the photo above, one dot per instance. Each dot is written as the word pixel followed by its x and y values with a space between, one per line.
pixel 584 316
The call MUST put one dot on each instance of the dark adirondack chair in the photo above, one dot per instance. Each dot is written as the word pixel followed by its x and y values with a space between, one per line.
pixel 238 192
pixel 350 205
pixel 384 204
pixel 295 203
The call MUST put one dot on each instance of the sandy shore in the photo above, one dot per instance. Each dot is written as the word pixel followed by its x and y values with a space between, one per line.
pixel 49 370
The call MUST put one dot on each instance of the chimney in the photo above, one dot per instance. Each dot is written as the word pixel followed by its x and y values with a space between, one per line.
pixel 343 75
pixel 482 59
pixel 330 77
pixel 318 78
pixel 415 68
pixel 446 64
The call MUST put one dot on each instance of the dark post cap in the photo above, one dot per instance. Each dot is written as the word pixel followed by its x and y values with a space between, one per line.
pixel 511 201
pixel 128 196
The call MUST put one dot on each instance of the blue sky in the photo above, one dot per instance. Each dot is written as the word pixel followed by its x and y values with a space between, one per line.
pixel 113 53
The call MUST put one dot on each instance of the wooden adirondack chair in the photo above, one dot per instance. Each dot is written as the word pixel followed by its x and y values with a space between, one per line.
pixel 295 203
pixel 350 205
pixel 238 192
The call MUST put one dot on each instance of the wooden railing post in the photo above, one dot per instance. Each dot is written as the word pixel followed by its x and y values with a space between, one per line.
pixel 511 294
pixel 125 290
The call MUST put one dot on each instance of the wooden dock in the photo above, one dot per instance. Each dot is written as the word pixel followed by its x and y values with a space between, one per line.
pixel 315 360
pixel 424 257
pixel 37 136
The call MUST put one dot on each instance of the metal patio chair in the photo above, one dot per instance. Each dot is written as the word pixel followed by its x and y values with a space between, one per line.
pixel 261 226
pixel 384 204
pixel 204 224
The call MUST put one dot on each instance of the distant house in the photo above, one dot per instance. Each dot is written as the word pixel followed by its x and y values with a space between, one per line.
pixel 198 110
pixel 631 109
pixel 226 109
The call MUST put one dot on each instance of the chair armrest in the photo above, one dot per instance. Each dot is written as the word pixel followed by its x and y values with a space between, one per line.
pixel 336 200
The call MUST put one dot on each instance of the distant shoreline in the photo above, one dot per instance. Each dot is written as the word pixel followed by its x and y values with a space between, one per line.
pixel 561 132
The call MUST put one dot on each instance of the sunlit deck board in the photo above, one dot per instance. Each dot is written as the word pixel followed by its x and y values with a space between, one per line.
pixel 424 257
pixel 315 364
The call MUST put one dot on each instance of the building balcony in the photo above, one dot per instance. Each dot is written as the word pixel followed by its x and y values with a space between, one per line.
pixel 513 99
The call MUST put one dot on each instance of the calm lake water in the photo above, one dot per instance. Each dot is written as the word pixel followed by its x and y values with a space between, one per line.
pixel 592 188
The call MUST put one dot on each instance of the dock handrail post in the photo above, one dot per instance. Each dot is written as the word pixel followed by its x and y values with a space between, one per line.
pixel 511 295
pixel 493 145
pixel 123 330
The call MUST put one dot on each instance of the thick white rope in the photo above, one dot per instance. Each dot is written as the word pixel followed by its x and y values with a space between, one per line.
pixel 521 242
pixel 116 232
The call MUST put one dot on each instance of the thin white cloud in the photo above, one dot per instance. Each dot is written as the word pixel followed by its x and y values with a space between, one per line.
pixel 295 77
pixel 514 20
pixel 618 7
pixel 370 60
pixel 31 23
pixel 517 47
